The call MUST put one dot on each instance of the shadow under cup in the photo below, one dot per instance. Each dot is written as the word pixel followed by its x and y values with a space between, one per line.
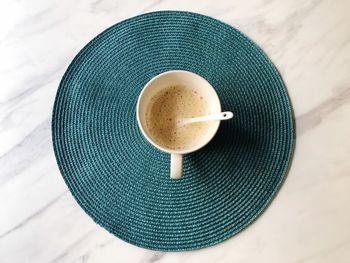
pixel 179 78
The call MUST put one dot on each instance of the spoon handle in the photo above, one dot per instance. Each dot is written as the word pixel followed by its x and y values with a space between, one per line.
pixel 216 117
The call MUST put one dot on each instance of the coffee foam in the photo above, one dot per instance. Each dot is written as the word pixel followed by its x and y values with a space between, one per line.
pixel 169 105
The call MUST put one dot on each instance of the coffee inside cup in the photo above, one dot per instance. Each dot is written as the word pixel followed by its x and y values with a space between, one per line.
pixel 166 108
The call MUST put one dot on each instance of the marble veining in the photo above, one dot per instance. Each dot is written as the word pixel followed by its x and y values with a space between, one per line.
pixel 308 222
pixel 315 116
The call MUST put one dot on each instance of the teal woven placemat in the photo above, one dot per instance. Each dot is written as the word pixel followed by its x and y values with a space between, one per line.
pixel 122 182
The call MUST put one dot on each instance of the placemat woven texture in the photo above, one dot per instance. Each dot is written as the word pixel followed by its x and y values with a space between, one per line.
pixel 123 182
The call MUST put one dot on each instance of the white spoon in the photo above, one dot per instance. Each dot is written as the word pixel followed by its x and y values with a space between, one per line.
pixel 214 117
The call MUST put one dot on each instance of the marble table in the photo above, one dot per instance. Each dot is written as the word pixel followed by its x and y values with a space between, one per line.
pixel 308 221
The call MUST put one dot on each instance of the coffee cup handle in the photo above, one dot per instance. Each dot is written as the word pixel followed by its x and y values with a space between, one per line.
pixel 176 161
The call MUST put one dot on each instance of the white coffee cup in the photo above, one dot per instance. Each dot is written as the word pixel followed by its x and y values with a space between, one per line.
pixel 174 78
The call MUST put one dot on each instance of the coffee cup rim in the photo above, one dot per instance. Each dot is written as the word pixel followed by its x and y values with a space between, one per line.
pixel 151 141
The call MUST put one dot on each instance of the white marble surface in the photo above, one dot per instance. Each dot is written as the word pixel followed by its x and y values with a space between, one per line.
pixel 308 222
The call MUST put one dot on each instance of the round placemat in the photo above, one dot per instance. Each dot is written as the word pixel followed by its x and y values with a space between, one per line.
pixel 123 182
